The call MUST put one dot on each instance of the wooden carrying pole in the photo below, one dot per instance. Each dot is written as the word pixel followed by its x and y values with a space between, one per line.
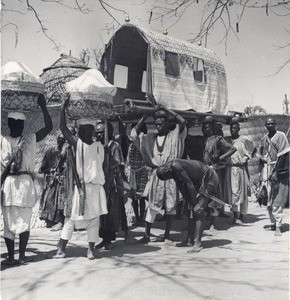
pixel 131 107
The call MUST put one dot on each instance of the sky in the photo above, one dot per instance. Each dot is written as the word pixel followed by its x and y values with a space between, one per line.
pixel 251 60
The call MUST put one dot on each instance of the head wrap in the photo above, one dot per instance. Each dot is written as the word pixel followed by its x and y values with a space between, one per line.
pixel 208 119
pixel 16 115
pixel 161 113
pixel 235 120
pixel 100 127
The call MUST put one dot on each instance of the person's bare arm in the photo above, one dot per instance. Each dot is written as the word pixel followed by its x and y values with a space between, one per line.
pixel 43 132
pixel 139 124
pixel 71 139
pixel 230 149
pixel 178 118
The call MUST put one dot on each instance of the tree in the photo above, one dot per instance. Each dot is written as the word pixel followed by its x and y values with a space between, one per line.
pixel 227 14
pixel 257 110
pixel 27 6
pixel 85 56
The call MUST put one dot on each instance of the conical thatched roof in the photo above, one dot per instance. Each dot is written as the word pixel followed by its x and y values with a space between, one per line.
pixel 65 69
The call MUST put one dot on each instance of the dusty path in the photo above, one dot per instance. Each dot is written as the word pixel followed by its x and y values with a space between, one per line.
pixel 238 262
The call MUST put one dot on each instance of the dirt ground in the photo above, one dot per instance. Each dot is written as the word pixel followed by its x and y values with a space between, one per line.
pixel 237 262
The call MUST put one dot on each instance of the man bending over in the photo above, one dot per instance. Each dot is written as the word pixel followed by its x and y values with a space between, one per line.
pixel 193 178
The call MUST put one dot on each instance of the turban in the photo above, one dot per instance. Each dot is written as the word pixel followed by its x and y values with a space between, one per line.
pixel 207 119
pixel 86 122
pixel 160 113
pixel 100 127
pixel 16 115
pixel 235 120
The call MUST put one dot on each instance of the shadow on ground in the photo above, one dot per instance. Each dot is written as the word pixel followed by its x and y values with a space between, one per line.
pixel 215 243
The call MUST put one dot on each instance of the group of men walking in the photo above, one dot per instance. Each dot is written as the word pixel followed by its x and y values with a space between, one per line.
pixel 89 183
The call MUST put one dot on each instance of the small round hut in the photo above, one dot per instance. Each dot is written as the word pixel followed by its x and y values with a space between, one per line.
pixel 65 69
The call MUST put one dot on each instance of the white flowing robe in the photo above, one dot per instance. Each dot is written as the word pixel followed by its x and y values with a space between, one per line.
pixel 237 180
pixel 18 191
pixel 89 164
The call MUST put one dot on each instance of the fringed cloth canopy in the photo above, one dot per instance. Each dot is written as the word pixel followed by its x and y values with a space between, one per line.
pixel 65 69
pixel 187 52
pixel 179 74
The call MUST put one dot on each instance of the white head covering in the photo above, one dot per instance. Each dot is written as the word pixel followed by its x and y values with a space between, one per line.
pixel 16 115
pixel 85 121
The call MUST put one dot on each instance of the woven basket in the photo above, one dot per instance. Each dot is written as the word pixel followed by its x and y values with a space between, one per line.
pixel 20 95
pixel 23 86
pixel 18 100
pixel 84 105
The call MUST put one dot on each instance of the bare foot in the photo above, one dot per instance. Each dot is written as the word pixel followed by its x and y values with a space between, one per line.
pixel 59 254
pixel 212 227
pixel 159 239
pixel 56 227
pixel 145 240
pixel 184 244
pixel 196 248
pixel 168 242
pixel 24 260
pixel 278 231
pixel 90 255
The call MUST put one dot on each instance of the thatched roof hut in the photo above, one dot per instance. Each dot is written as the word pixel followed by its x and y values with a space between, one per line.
pixel 65 69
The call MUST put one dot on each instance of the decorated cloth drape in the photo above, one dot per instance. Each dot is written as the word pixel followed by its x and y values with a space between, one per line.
pixel 161 194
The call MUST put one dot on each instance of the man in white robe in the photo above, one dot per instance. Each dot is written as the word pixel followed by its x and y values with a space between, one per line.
pixel 237 183
pixel 272 144
pixel 157 150
pixel 18 189
pixel 89 198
